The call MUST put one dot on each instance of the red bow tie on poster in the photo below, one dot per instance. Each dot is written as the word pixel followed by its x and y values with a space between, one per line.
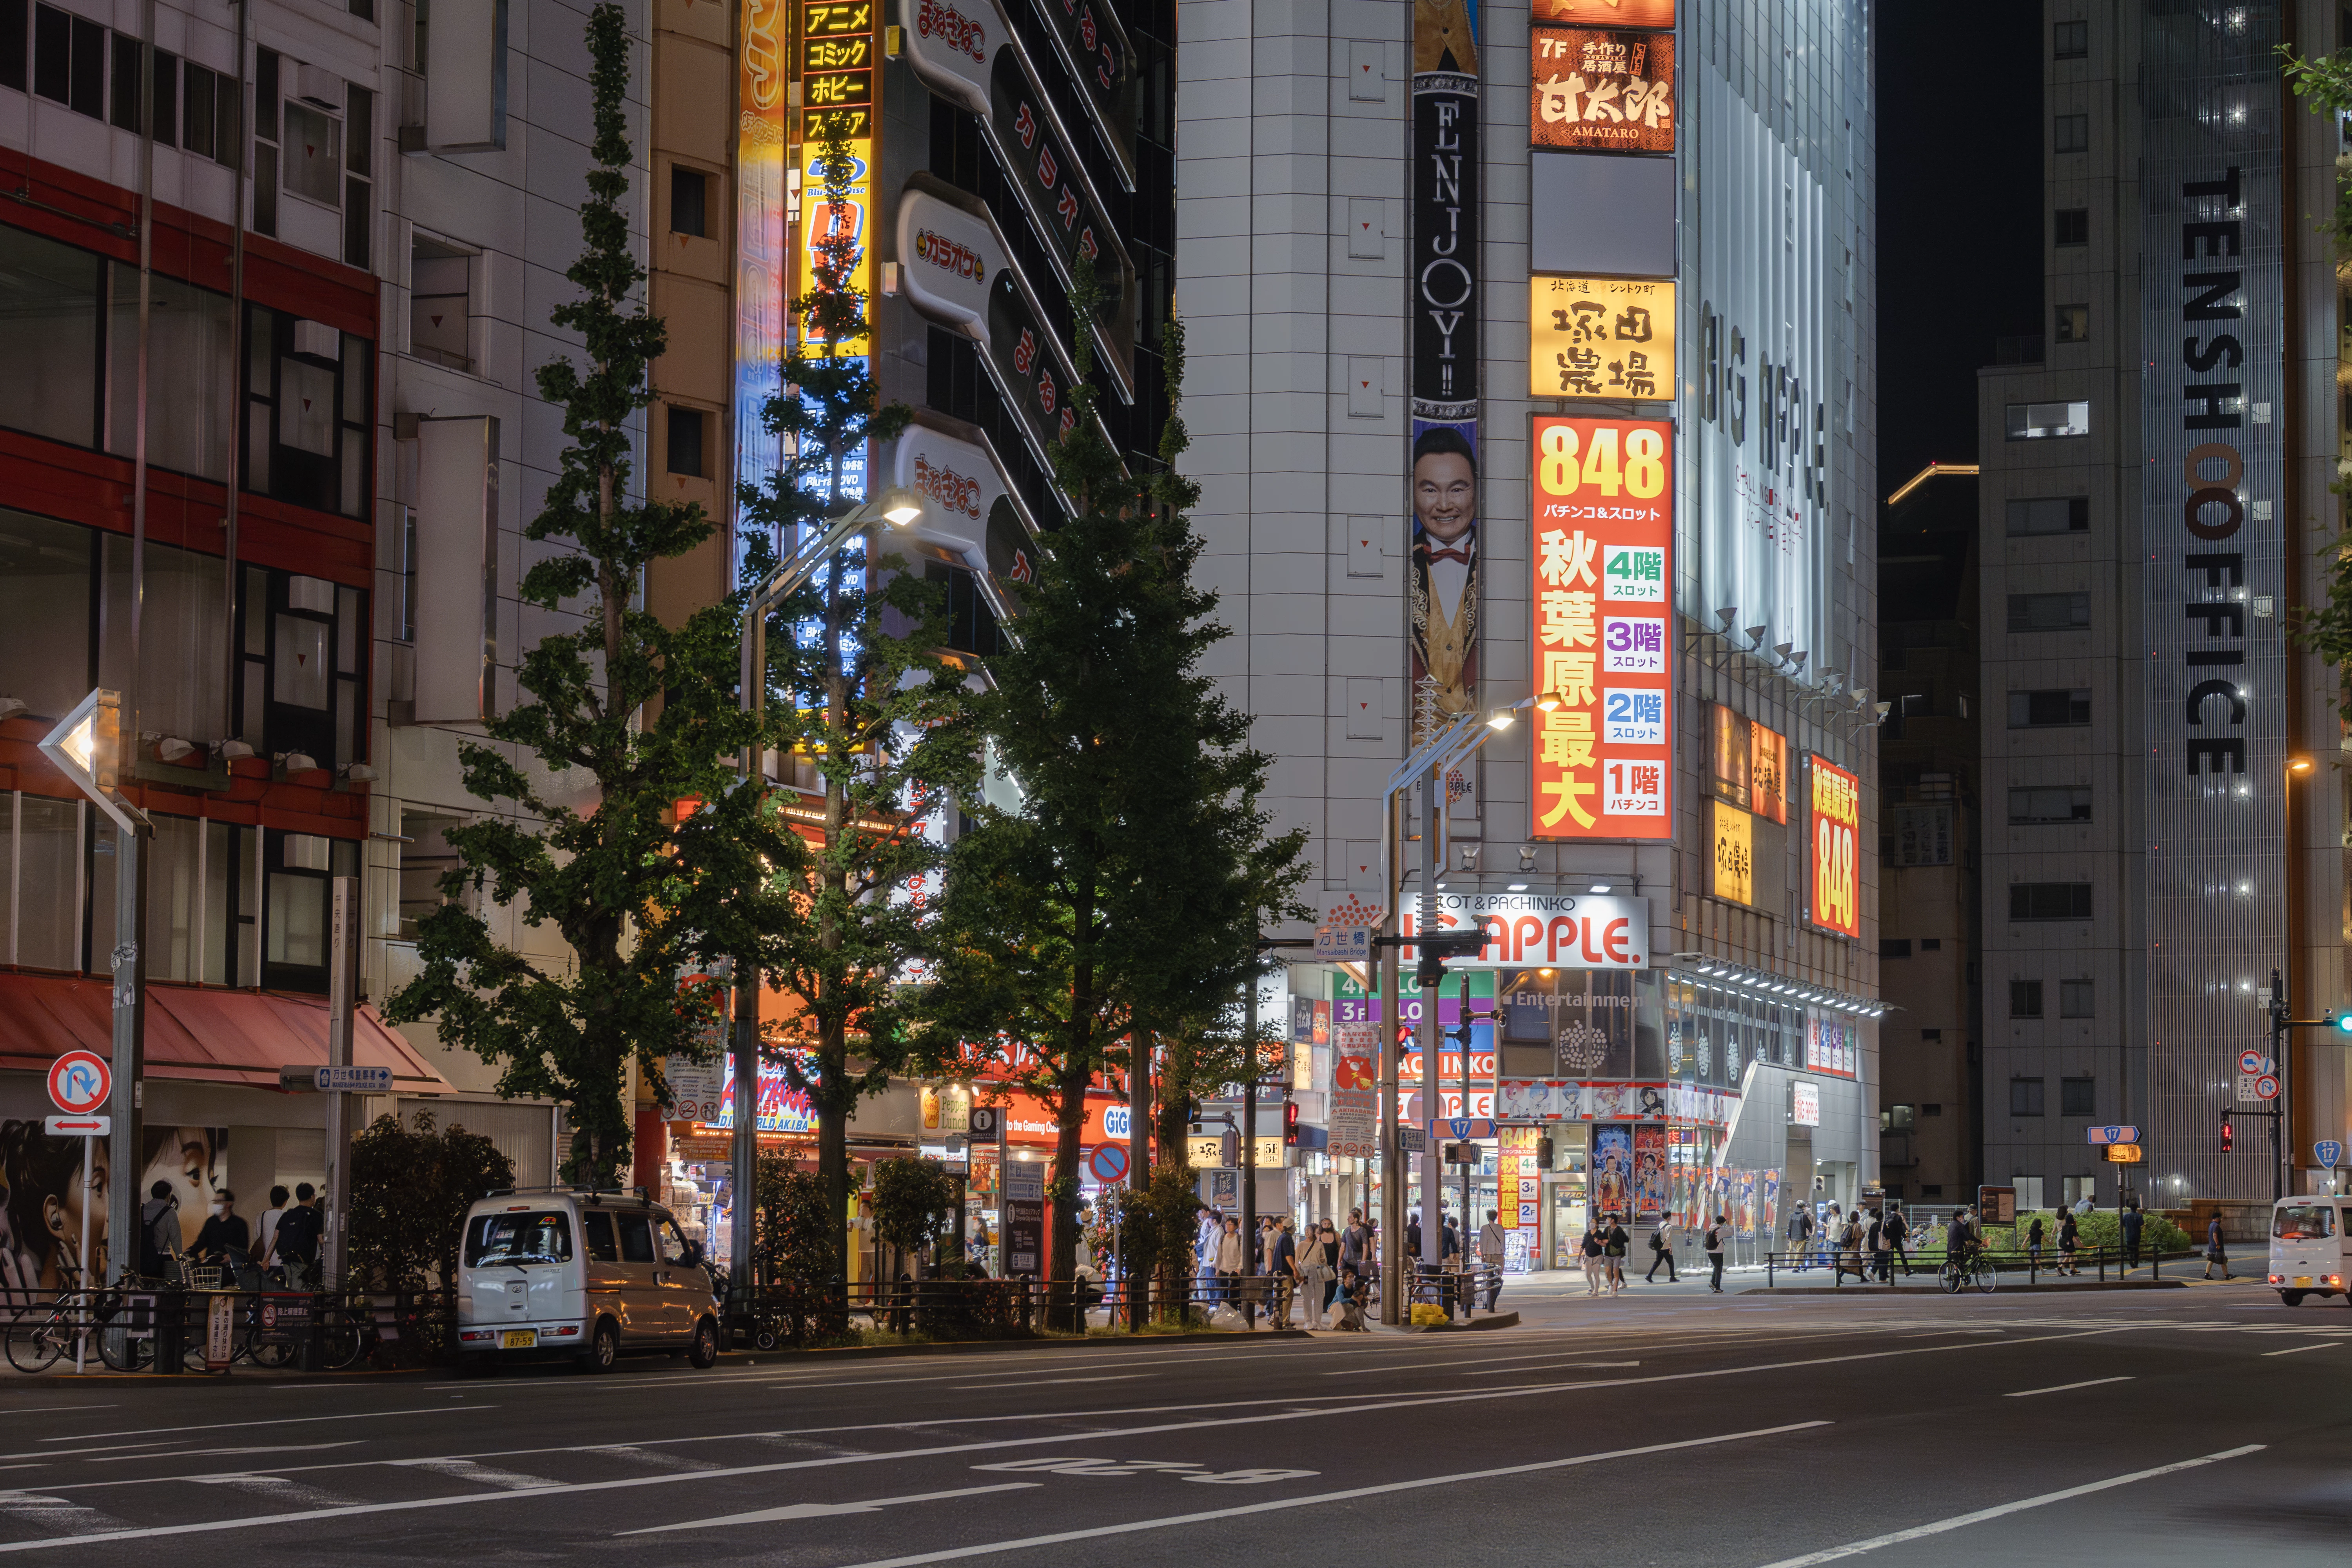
pixel 1460 555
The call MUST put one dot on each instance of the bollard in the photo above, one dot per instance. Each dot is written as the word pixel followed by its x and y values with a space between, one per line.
pixel 170 1307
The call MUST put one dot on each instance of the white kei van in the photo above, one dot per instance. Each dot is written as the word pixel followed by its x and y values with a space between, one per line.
pixel 2311 1247
pixel 563 1272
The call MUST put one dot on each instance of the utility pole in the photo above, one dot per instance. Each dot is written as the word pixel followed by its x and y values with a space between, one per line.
pixel 1433 1190
pixel 1249 1128
pixel 1392 1157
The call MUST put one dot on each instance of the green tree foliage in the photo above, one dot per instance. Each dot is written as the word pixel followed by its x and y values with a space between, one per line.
pixel 1123 893
pixel 1156 1226
pixel 581 835
pixel 914 1203
pixel 793 1230
pixel 855 681
pixel 2325 83
pixel 411 1185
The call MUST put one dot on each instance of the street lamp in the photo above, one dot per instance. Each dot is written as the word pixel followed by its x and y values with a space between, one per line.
pixel 87 746
pixel 899 507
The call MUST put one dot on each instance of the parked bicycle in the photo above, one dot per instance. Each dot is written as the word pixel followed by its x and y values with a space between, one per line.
pixel 1968 1267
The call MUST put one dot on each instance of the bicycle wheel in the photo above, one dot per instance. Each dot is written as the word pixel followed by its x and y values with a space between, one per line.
pixel 1951 1278
pixel 110 1331
pixel 1986 1278
pixel 36 1346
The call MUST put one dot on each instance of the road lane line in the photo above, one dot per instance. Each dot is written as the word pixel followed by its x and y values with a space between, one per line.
pixel 36 1409
pixel 2298 1350
pixel 103 1448
pixel 1339 1405
pixel 1206 1516
pixel 2062 1387
pixel 826 1510
pixel 1547 1366
pixel 480 1475
pixel 283 1421
pixel 1854 1549
pixel 1000 1387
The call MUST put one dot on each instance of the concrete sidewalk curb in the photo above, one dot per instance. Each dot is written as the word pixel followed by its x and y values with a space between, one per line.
pixel 1470 1325
pixel 726 1358
pixel 1938 1290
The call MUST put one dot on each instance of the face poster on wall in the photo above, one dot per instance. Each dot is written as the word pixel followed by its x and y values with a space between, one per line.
pixel 1613 1170
pixel 1649 1174
pixel 1443 577
pixel 1603 89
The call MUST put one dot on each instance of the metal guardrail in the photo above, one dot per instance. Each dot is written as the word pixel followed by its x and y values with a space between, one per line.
pixel 1840 1262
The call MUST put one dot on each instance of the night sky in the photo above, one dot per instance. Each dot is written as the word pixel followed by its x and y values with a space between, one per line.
pixel 1959 215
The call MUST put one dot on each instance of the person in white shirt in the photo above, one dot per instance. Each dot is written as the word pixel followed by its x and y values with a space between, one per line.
pixel 279 1198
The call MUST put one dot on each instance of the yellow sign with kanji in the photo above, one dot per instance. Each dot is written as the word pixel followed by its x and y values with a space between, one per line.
pixel 1601 337
pixel 1731 840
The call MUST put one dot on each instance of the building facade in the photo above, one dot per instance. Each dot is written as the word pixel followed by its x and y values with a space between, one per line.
pixel 2162 758
pixel 1930 1110
pixel 1531 357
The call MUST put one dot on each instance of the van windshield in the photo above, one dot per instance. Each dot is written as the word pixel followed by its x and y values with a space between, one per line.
pixel 2303 1222
pixel 527 1236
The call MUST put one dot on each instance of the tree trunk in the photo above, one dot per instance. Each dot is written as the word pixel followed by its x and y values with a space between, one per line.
pixel 837 1104
pixel 1069 1127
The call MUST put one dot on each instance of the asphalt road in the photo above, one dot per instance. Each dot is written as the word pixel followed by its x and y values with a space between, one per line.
pixel 2147 1428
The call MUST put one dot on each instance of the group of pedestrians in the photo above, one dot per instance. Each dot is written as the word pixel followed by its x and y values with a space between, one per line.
pixel 1325 1274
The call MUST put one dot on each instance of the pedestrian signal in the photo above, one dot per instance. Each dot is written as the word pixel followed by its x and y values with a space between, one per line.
pixel 2226 1136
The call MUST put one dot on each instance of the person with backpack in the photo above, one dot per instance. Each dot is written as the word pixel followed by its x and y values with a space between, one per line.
pixel 1898 1231
pixel 1614 1244
pixel 2034 1244
pixel 1874 1239
pixel 1714 1244
pixel 296 1239
pixel 2132 1222
pixel 1588 1252
pixel 1490 1257
pixel 1848 1248
pixel 2069 1237
pixel 2216 1250
pixel 159 1232
pixel 1800 1236
pixel 1661 1250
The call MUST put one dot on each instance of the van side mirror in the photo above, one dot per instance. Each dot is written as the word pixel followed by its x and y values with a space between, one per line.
pixel 691 1257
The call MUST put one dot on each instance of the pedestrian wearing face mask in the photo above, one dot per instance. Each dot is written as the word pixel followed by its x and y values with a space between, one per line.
pixel 226 1238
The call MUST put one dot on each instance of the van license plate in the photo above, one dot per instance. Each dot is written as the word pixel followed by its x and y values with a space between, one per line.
pixel 2302 1280
pixel 518 1340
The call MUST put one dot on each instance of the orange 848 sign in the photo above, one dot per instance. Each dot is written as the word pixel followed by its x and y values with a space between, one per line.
pixel 1604 547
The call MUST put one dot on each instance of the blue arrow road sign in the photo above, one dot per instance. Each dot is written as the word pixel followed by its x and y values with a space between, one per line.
pixel 2329 1154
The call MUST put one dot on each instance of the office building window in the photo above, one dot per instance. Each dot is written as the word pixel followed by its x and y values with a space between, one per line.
pixel 686 456
pixel 690 202
pixel 2070 40
pixel 2063 803
pixel 1931 944
pixel 2049 514
pixel 2050 710
pixel 1931 1111
pixel 2072 226
pixel 2050 902
pixel 16 52
pixel 2049 612
pixel 2025 998
pixel 2024 1099
pixel 69 61
pixel 2078 1097
pixel 2070 133
pixel 2077 1188
pixel 1893 947
pixel 2074 322
pixel 1932 1037
pixel 2074 999
pixel 208 111
pixel 2045 421
pixel 165 90
pixel 2029 1188
pixel 265 142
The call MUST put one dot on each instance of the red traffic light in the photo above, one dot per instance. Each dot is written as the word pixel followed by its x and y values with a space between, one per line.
pixel 2225 1135
pixel 1290 1123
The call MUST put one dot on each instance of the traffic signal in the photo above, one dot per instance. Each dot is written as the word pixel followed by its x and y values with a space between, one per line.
pixel 1543 1154
pixel 1290 1124
pixel 2225 1132
pixel 2344 1022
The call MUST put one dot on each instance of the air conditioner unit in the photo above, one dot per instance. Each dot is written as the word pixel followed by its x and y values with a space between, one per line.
pixel 320 87
pixel 317 339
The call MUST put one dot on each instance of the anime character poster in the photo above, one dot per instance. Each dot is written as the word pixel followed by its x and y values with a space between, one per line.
pixel 1770 1201
pixel 1613 1170
pixel 1650 1196
pixel 1745 1215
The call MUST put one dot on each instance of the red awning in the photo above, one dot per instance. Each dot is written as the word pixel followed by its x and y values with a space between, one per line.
pixel 196 1033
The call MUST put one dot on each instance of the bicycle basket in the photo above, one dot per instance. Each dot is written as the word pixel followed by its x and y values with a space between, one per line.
pixel 209 1278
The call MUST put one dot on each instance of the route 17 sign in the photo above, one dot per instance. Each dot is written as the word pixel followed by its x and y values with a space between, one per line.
pixel 2328 1153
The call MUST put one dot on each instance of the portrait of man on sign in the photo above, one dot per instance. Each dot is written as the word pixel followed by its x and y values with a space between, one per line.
pixel 1445 579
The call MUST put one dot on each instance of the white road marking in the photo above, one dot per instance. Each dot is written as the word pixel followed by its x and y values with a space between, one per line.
pixel 1853 1549
pixel 1042 1382
pixel 224 1453
pixel 1130 1527
pixel 35 1409
pixel 76 1521
pixel 825 1510
pixel 2298 1350
pixel 283 1421
pixel 481 1474
pixel 2062 1387
pixel 1547 1366
pixel 67 1453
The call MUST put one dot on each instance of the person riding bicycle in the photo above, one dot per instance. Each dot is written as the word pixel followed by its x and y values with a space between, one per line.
pixel 1960 1241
